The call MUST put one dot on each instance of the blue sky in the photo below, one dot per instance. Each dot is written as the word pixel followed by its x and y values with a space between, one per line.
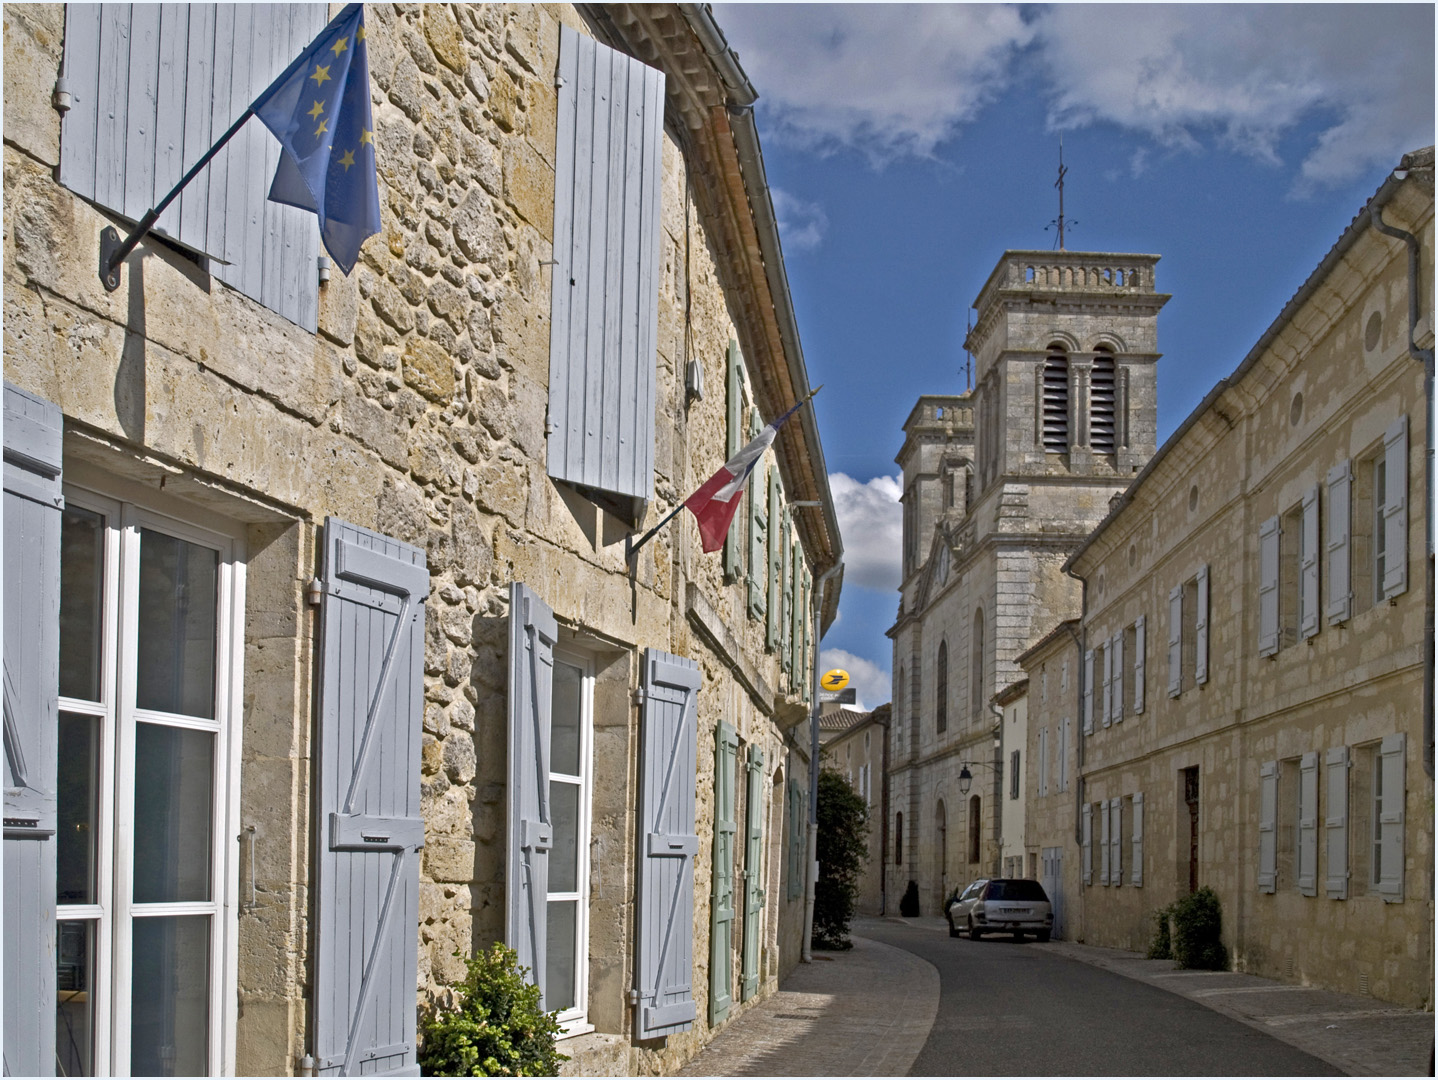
pixel 908 146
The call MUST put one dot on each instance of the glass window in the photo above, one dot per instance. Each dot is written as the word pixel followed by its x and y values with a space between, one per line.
pixel 567 924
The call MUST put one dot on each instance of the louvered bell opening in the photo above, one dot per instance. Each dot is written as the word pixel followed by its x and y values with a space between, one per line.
pixel 1056 405
pixel 1101 418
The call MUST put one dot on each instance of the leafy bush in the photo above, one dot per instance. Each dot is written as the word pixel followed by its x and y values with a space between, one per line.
pixel 1197 930
pixel 1161 948
pixel 842 848
pixel 496 1028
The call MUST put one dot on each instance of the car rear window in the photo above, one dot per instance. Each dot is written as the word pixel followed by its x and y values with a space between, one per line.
pixel 1016 890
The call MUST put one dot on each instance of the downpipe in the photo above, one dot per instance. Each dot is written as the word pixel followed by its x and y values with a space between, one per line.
pixel 812 845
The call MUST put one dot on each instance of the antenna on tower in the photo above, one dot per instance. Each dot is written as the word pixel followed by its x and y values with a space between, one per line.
pixel 1060 221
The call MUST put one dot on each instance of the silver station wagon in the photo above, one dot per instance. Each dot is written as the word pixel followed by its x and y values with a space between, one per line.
pixel 1015 906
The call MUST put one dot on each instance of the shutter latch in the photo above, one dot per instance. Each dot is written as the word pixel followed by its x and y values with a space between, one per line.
pixel 61 99
pixel 639 695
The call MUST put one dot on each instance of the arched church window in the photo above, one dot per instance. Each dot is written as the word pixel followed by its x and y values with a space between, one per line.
pixel 1101 399
pixel 1056 401
pixel 941 691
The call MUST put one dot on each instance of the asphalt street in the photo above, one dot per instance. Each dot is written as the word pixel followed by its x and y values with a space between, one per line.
pixel 1008 1009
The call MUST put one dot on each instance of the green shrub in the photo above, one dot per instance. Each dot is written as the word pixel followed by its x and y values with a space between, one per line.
pixel 1161 948
pixel 1197 932
pixel 842 849
pixel 496 1027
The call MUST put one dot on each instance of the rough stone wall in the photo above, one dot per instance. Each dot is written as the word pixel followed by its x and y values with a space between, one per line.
pixel 418 410
pixel 1324 391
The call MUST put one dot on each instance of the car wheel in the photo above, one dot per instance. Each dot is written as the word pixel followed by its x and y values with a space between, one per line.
pixel 974 933
pixel 1043 935
pixel 953 930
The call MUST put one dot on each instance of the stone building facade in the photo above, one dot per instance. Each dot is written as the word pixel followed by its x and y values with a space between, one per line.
pixel 1000 486
pixel 302 794
pixel 1249 702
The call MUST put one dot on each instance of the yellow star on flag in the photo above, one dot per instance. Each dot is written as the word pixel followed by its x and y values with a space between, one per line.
pixel 321 74
pixel 317 110
pixel 367 138
pixel 348 159
pixel 340 46
pixel 324 126
pixel 360 35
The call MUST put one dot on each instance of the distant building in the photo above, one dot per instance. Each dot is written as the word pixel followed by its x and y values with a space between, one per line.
pixel 1001 485
pixel 853 744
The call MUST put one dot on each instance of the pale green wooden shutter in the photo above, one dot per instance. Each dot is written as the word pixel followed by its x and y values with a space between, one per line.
pixel 753 871
pixel 734 431
pixel 774 556
pixel 721 898
pixel 758 568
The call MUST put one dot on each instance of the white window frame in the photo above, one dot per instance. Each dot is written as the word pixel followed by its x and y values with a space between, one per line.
pixel 575 1021
pixel 114 913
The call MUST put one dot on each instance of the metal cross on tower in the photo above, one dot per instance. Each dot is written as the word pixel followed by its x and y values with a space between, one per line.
pixel 1059 183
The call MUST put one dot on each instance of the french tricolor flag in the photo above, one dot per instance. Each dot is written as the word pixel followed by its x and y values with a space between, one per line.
pixel 716 501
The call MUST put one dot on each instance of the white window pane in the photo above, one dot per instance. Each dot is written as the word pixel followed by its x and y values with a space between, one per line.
pixel 82 561
pixel 178 602
pixel 75 998
pixel 564 856
pixel 170 991
pixel 562 959
pixel 565 719
pixel 78 826
pixel 174 770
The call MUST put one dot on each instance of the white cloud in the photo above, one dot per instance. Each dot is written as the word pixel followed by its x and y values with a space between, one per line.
pixel 897 80
pixel 885 79
pixel 872 524
pixel 870 682
pixel 802 224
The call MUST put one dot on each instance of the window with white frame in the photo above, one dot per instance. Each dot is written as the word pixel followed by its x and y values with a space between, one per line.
pixel 150 668
pixel 570 791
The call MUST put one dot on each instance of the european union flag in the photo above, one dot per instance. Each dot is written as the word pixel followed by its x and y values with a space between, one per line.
pixel 319 109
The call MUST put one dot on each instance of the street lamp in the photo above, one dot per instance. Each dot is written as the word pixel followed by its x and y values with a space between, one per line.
pixel 966 778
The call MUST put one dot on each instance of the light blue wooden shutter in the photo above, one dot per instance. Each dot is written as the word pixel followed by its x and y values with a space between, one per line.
pixel 1308 824
pixel 1105 703
pixel 1391 817
pixel 1136 847
pixel 1086 703
pixel 721 897
pixel 1086 843
pixel 1267 827
pixel 1335 822
pixel 33 502
pixel 369 822
pixel 733 433
pixel 664 964
pixel 532 634
pixel 1105 840
pixel 1268 539
pixel 1115 861
pixel 1175 641
pixel 1116 645
pixel 1308 566
pixel 1140 651
pixel 153 87
pixel 604 303
pixel 1395 509
pixel 753 872
pixel 1200 627
pixel 1340 509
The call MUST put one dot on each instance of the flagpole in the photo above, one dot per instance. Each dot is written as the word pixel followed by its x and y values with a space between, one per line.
pixel 114 251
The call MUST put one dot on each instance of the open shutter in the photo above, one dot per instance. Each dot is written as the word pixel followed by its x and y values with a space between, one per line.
pixel 806 656
pixel 753 871
pixel 1088 692
pixel 795 863
pixel 1140 650
pixel 152 87
pixel 721 896
pixel 1340 515
pixel 786 590
pixel 1335 822
pixel 1175 641
pixel 33 429
pixel 1042 787
pixel 370 829
pixel 1268 537
pixel 1267 826
pixel 1087 843
pixel 1115 859
pixel 1200 644
pixel 1308 566
pixel 532 634
pixel 1106 703
pixel 604 306
pixel 799 616
pixel 733 434
pixel 1116 646
pixel 1064 726
pixel 774 556
pixel 1135 876
pixel 1395 509
pixel 1391 817
pixel 758 568
pixel 1105 841
pixel 665 933
pixel 1308 824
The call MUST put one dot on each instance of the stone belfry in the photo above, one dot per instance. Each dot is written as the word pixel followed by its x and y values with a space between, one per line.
pixel 1001 485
